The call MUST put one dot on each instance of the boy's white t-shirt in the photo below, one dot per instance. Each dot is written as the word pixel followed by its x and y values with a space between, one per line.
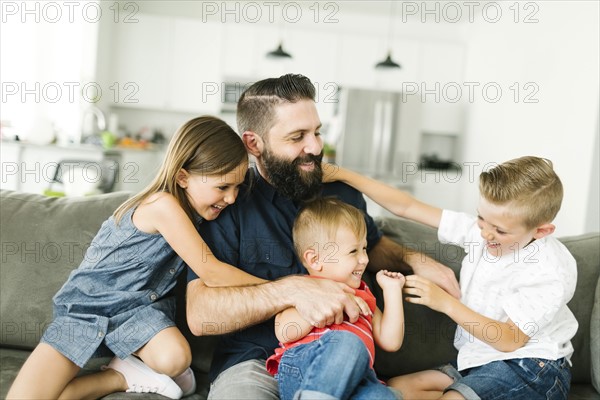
pixel 531 286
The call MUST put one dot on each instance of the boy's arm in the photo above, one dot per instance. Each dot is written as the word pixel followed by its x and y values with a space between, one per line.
pixel 290 326
pixel 503 336
pixel 388 254
pixel 396 201
pixel 388 327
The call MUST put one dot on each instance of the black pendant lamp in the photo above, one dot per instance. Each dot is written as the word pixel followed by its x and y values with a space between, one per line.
pixel 388 63
pixel 279 52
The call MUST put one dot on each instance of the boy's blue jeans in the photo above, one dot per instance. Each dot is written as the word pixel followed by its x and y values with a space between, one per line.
pixel 334 367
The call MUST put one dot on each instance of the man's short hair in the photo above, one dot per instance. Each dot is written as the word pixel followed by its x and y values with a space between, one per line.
pixel 256 106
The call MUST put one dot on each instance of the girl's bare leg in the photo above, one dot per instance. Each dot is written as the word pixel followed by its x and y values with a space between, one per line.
pixel 94 386
pixel 54 375
pixel 47 374
pixel 167 353
pixel 44 375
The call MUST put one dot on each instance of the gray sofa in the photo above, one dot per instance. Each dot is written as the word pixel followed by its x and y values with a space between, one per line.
pixel 43 239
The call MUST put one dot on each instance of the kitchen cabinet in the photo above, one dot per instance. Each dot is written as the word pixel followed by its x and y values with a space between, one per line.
pixel 142 62
pixel 358 55
pixel 442 90
pixel 316 56
pixel 238 58
pixel 181 65
pixel 196 80
pixel 168 63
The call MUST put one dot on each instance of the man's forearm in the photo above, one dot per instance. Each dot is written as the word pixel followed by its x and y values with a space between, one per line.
pixel 219 310
pixel 390 255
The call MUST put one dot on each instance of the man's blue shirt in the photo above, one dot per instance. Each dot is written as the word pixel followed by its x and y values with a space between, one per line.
pixel 255 235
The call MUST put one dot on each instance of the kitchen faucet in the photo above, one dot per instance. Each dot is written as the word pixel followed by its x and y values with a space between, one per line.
pixel 87 128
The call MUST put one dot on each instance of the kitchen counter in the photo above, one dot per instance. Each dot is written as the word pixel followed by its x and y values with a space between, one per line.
pixel 30 167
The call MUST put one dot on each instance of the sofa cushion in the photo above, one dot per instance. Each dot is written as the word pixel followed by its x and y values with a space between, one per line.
pixel 595 339
pixel 424 328
pixel 42 240
pixel 586 250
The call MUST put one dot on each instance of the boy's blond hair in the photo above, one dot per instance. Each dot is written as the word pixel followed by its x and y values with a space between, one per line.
pixel 527 184
pixel 319 220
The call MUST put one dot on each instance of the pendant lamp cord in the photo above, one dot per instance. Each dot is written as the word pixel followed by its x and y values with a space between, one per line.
pixel 391 27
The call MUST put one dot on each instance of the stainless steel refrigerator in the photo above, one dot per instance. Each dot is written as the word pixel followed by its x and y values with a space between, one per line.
pixel 377 133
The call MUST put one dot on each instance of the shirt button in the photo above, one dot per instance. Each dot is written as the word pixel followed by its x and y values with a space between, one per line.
pixel 100 334
pixel 172 271
pixel 153 296
pixel 268 256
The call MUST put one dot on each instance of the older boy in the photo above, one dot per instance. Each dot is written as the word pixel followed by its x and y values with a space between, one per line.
pixel 514 326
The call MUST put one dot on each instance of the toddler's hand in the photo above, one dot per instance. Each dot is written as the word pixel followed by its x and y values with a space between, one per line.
pixel 390 280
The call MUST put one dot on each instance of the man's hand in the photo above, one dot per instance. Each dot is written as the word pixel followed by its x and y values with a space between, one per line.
pixel 437 273
pixel 362 304
pixel 322 302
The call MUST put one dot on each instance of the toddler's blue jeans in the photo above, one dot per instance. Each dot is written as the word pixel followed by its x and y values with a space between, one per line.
pixel 337 366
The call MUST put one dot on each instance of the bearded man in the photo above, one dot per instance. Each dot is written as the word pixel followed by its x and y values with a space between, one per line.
pixel 280 126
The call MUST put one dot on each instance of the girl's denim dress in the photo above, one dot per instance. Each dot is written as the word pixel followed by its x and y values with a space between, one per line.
pixel 116 299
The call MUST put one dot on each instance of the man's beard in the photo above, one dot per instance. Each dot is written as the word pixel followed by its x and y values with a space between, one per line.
pixel 290 180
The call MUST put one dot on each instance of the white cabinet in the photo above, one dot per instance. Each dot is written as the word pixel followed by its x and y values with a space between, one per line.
pixel 358 55
pixel 442 88
pixel 244 51
pixel 238 52
pixel 142 62
pixel 316 56
pixel 196 80
pixel 267 38
pixel 173 62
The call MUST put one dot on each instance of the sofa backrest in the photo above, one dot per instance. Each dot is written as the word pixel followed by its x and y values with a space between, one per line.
pixel 42 240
